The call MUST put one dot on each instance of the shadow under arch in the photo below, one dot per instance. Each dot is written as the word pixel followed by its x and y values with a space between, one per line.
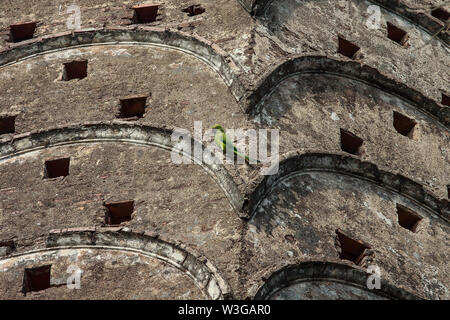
pixel 205 276
pixel 313 271
pixel 202 49
pixel 254 102
pixel 121 132
pixel 424 20
pixel 341 163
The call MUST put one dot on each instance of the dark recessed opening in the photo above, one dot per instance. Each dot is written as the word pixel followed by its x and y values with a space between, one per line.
pixel 119 212
pixel 353 250
pixel 350 143
pixel 347 48
pixel 194 10
pixel 57 168
pixel 448 191
pixel 75 70
pixel 445 100
pixel 396 34
pixel 132 107
pixel 441 14
pixel 7 246
pixel 407 218
pixel 145 13
pixel 7 124
pixel 22 31
pixel 36 279
pixel 404 125
pixel 289 238
pixel 245 204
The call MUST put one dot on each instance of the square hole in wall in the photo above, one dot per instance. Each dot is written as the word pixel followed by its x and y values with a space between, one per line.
pixel 132 106
pixel 396 34
pixel 22 31
pixel 56 168
pixel 347 48
pixel 145 13
pixel 118 212
pixel 350 143
pixel 7 124
pixel 445 100
pixel 194 10
pixel 441 14
pixel 407 218
pixel 75 70
pixel 352 250
pixel 404 125
pixel 7 247
pixel 36 279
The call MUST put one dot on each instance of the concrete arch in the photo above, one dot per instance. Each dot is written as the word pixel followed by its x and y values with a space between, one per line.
pixel 199 269
pixel 348 69
pixel 421 19
pixel 343 164
pixel 196 46
pixel 313 271
pixel 117 131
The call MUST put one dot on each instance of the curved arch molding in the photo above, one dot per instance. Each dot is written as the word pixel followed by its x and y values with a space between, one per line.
pixel 347 165
pixel 326 271
pixel 422 19
pixel 121 132
pixel 349 69
pixel 204 274
pixel 220 61
pixel 201 48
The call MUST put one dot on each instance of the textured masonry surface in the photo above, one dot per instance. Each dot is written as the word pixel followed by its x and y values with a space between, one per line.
pixel 202 231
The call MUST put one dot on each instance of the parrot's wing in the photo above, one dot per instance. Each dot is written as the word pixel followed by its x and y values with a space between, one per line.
pixel 218 138
pixel 224 144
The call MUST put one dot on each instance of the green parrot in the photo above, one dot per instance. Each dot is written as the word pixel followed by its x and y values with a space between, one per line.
pixel 221 140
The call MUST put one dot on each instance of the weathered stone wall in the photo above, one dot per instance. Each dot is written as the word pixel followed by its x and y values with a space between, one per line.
pixel 297 104
pixel 114 264
pixel 301 214
pixel 309 28
pixel 202 231
pixel 177 84
pixel 324 280
pixel 139 279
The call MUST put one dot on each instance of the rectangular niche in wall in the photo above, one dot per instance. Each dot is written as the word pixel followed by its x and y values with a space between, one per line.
pixel 132 106
pixel 194 10
pixel 145 13
pixel 407 218
pixel 7 247
pixel 396 34
pixel 75 70
pixel 445 100
pixel 118 212
pixel 22 31
pixel 7 124
pixel 441 14
pixel 347 48
pixel 404 125
pixel 36 279
pixel 350 142
pixel 352 250
pixel 57 168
